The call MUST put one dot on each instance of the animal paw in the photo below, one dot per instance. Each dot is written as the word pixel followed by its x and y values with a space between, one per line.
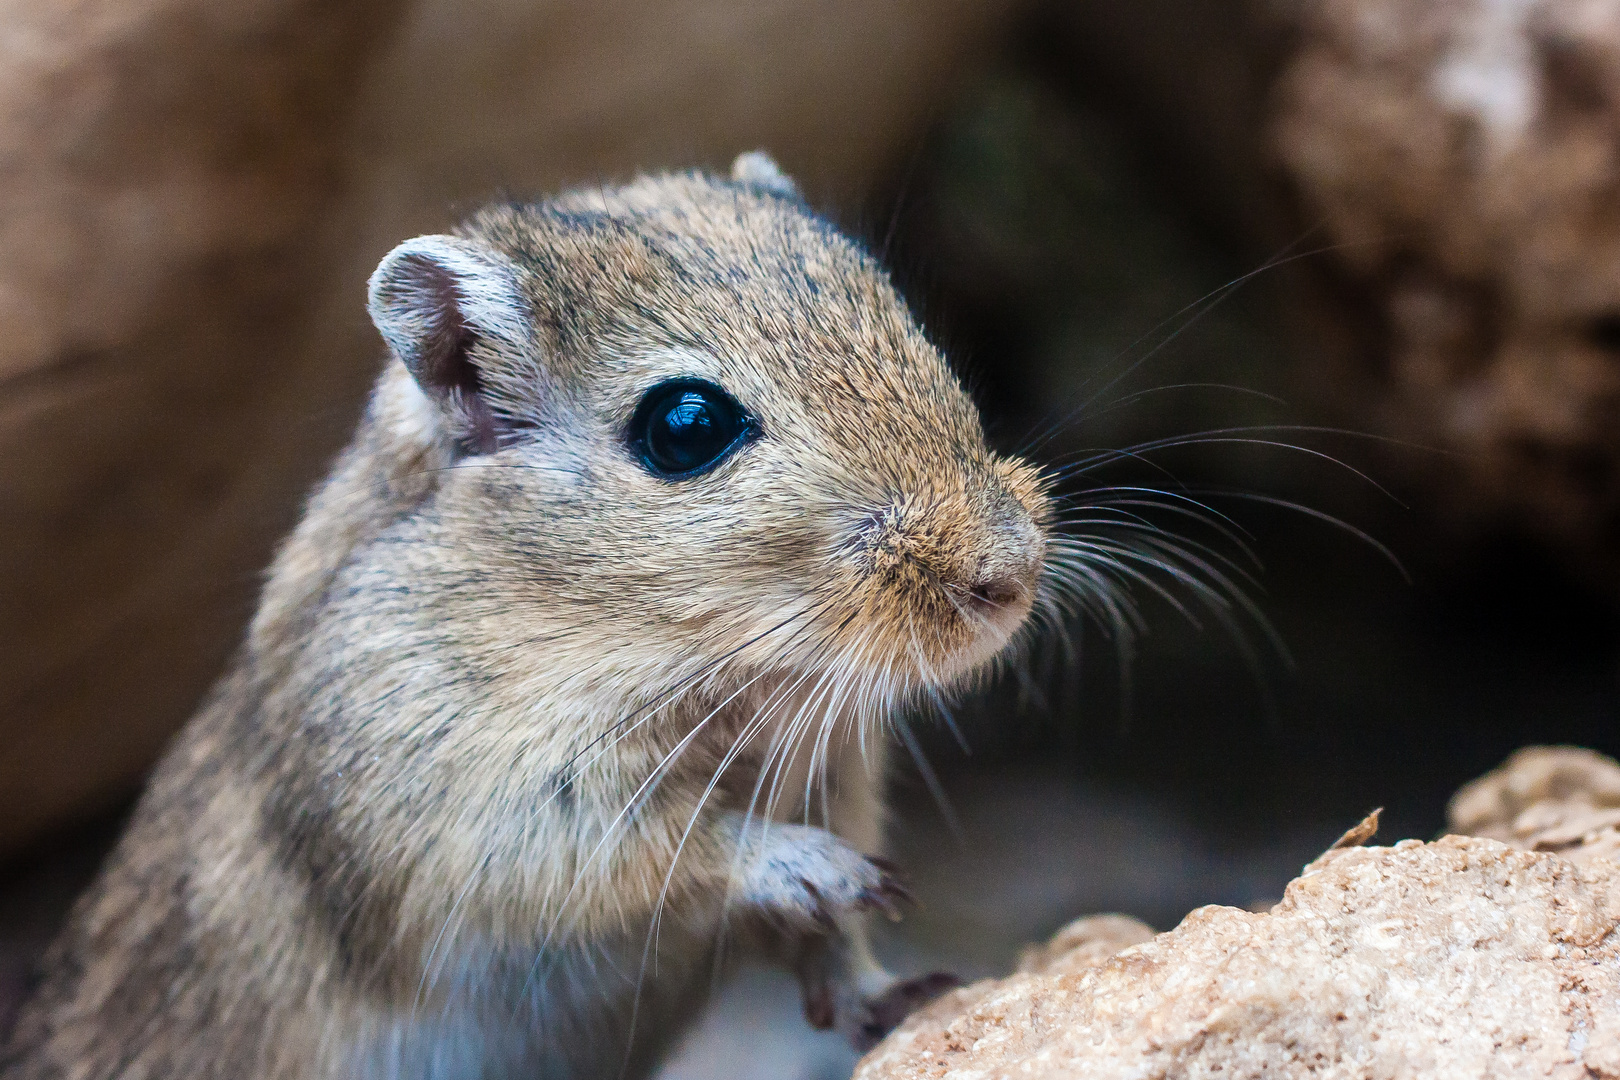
pixel 808 878
pixel 866 1019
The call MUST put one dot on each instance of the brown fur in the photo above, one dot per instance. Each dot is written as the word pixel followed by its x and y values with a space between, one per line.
pixel 428 823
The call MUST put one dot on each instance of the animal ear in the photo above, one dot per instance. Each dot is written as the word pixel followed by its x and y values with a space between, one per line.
pixel 758 170
pixel 438 302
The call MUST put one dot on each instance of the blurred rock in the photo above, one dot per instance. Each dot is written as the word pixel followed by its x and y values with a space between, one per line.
pixel 1461 958
pixel 1546 798
pixel 1440 180
pixel 1463 157
pixel 169 168
pixel 1088 942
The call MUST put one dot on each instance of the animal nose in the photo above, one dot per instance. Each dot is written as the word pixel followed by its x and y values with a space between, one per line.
pixel 983 551
pixel 990 595
pixel 1001 582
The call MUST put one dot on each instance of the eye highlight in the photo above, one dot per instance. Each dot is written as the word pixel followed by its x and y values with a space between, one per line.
pixel 684 427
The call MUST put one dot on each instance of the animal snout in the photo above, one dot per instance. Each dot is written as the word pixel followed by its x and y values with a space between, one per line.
pixel 996 592
pixel 980 555
pixel 1002 590
pixel 1001 581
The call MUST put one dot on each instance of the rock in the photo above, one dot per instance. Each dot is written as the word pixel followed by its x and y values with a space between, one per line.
pixel 169 174
pixel 1084 943
pixel 1546 798
pixel 1460 160
pixel 1465 957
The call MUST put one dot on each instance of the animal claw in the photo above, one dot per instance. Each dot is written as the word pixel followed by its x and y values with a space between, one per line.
pixel 890 893
pixel 888 866
pixel 820 1011
pixel 887 1010
pixel 820 909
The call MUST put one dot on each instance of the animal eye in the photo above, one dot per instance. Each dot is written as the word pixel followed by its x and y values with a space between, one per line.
pixel 687 426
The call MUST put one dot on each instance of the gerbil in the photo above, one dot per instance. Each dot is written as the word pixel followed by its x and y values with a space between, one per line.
pixel 578 661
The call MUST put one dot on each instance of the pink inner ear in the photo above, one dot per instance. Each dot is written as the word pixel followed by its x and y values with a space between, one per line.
pixel 440 360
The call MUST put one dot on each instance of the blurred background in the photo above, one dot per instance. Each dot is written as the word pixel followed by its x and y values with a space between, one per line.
pixel 1346 271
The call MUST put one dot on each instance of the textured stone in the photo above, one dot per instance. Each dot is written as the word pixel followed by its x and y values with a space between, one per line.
pixel 1546 798
pixel 1085 943
pixel 1465 957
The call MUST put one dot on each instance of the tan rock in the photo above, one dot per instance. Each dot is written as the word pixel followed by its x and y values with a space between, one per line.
pixel 1466 957
pixel 1546 798
pixel 168 171
pixel 1085 943
pixel 1460 159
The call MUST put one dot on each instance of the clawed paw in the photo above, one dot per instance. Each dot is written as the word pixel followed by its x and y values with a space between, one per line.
pixel 813 887
pixel 808 879
pixel 877 887
pixel 867 1020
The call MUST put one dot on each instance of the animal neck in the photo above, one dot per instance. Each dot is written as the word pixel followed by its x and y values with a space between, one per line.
pixel 392 464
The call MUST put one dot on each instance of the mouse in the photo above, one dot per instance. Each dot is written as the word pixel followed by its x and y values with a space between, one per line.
pixel 576 675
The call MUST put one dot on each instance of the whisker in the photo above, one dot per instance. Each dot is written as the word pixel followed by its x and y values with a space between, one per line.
pixel 930 779
pixel 1217 436
pixel 1195 312
pixel 1330 519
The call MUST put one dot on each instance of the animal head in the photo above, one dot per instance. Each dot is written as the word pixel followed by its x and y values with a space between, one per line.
pixel 685 429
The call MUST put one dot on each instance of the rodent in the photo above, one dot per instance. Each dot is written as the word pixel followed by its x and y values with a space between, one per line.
pixel 578 663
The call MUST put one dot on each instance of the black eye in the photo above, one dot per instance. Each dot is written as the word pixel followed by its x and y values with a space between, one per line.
pixel 686 426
